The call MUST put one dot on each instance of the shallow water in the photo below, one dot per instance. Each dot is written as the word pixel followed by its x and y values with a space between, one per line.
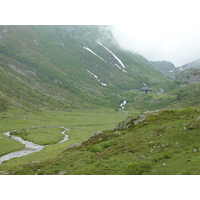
pixel 30 147
pixel 65 136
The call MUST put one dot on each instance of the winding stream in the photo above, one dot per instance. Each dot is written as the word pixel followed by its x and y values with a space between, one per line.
pixel 30 147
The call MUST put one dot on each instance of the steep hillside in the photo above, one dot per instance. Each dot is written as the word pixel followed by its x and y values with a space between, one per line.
pixel 67 66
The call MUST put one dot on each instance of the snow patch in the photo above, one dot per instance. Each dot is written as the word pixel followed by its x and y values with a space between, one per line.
pixel 86 48
pixel 104 84
pixel 120 68
pixel 114 57
pixel 122 106
pixel 123 103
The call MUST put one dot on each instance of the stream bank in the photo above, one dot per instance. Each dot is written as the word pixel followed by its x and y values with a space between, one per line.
pixel 30 147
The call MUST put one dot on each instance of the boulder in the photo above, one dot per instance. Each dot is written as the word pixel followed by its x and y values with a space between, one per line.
pixel 97 134
pixel 142 156
pixel 62 172
pixel 195 149
pixel 74 145
pixel 117 133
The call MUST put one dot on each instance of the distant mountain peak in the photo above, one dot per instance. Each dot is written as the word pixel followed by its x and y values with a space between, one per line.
pixel 165 67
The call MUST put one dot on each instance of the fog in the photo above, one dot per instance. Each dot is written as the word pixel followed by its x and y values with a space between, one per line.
pixel 162 31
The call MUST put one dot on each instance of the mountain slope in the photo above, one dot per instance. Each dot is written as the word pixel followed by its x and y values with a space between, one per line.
pixel 194 64
pixel 68 66
pixel 165 67
pixel 189 76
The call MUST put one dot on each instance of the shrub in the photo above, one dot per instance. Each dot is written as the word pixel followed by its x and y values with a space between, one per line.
pixel 93 149
pixel 109 144
pixel 138 168
pixel 187 173
pixel 167 156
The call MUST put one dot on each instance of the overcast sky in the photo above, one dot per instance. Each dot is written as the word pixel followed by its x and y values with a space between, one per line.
pixel 162 30
pixel 157 29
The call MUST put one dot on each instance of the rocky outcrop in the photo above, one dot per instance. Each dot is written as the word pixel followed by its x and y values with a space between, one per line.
pixel 129 121
pixel 152 112
pixel 95 135
pixel 190 76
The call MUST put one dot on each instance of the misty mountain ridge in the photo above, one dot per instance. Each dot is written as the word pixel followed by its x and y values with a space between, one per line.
pixel 168 69
pixel 194 64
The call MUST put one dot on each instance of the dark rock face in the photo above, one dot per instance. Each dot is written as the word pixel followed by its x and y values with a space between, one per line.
pixel 190 76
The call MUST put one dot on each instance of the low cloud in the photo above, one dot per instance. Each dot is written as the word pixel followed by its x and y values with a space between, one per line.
pixel 162 31
pixel 179 47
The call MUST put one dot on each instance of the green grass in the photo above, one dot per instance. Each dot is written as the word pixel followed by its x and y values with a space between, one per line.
pixel 8 145
pixel 42 136
pixel 159 145
pixel 82 124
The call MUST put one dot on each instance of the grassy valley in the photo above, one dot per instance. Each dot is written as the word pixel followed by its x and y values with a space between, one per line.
pixel 77 79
